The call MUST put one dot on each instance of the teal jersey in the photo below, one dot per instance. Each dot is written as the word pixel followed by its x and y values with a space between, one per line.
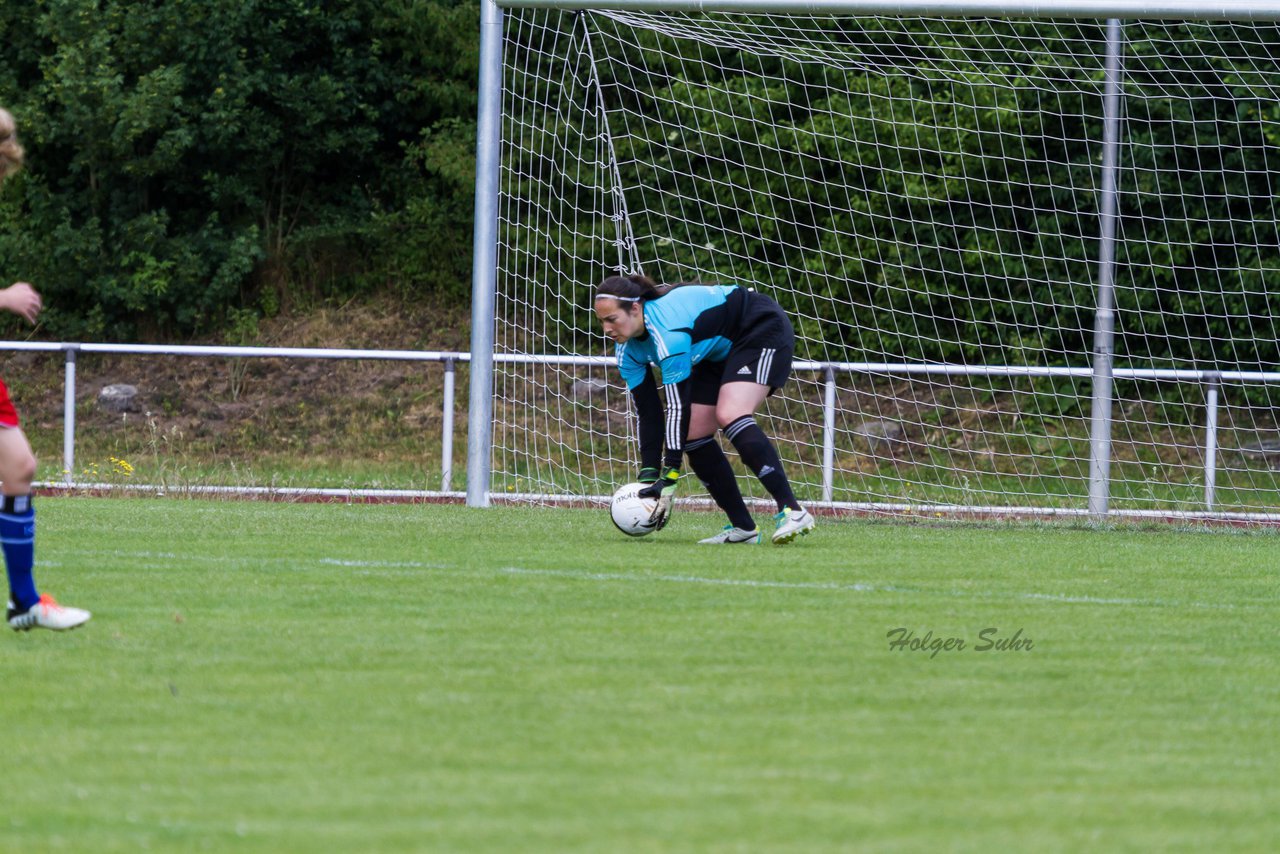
pixel 692 323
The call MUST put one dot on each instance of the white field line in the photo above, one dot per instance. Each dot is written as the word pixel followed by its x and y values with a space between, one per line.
pixel 858 588
pixel 691 579
pixel 222 560
pixel 380 564
pixel 372 566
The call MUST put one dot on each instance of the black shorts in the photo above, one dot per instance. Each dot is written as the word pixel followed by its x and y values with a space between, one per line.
pixel 761 354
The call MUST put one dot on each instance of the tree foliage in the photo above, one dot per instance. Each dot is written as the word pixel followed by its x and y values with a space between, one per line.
pixel 191 158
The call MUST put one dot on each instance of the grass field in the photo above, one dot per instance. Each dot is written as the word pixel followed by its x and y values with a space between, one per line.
pixel 301 677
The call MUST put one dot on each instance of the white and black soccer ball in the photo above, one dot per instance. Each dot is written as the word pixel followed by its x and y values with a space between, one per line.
pixel 630 512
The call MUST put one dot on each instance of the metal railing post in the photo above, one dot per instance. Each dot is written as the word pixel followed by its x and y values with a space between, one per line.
pixel 446 428
pixel 829 436
pixel 69 416
pixel 1105 315
pixel 1210 440
pixel 484 262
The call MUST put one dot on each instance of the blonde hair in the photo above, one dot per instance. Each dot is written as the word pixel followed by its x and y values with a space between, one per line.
pixel 11 153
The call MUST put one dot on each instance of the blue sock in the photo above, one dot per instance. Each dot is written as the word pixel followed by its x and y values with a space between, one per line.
pixel 18 537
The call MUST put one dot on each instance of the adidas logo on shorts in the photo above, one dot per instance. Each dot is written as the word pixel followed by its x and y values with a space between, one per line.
pixel 744 370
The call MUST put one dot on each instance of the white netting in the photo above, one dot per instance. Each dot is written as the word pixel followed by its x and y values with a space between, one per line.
pixel 917 194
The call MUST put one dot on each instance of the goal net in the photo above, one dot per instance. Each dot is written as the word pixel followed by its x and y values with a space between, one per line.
pixel 923 197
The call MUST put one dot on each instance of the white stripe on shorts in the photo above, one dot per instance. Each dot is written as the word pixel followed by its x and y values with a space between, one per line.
pixel 763 366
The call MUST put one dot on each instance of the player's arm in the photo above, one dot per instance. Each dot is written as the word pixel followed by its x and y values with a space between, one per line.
pixel 676 422
pixel 648 407
pixel 21 299
pixel 676 370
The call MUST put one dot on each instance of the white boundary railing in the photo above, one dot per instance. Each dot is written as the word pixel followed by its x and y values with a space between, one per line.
pixel 71 350
pixel 1210 380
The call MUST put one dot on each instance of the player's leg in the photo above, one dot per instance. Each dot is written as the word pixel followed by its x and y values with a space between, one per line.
pixel 17 516
pixel 758 365
pixel 712 468
pixel 27 608
pixel 735 411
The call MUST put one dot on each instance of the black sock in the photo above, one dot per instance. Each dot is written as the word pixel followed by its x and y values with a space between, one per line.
pixel 712 468
pixel 762 458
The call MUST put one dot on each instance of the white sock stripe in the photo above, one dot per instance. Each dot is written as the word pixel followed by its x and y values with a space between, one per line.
pixel 9 542
pixel 21 504
pixel 738 426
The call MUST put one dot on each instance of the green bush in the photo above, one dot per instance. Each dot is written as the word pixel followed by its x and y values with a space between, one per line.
pixel 190 159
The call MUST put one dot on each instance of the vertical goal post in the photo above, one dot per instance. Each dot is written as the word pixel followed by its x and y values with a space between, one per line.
pixel 591 218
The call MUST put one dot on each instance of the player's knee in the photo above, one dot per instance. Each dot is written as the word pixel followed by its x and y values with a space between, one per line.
pixel 21 470
pixel 27 468
pixel 726 415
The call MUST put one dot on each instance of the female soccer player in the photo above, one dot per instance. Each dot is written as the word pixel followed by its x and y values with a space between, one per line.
pixel 721 350
pixel 27 608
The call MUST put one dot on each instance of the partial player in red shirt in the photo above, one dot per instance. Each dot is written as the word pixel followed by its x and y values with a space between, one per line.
pixel 27 608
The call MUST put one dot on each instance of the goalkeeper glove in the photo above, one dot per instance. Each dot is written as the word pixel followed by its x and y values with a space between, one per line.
pixel 663 489
pixel 648 475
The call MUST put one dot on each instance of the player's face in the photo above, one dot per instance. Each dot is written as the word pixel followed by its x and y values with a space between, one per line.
pixel 622 321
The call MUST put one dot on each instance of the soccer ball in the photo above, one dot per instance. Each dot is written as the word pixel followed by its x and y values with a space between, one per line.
pixel 630 512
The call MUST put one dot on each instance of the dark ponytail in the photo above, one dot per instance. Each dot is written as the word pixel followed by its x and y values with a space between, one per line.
pixel 636 287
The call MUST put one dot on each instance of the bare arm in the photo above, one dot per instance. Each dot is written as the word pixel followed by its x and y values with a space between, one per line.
pixel 21 299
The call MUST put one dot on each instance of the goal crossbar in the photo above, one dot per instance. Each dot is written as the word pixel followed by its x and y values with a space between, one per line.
pixel 1184 10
